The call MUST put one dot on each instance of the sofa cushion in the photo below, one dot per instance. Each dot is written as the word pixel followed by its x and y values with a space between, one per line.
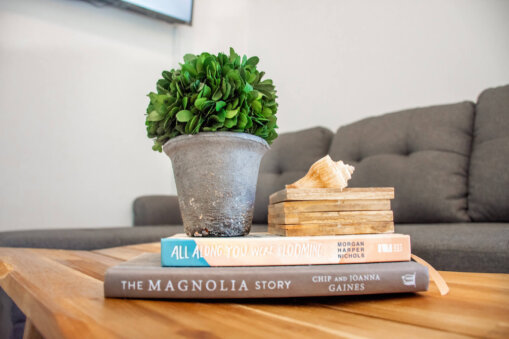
pixel 423 153
pixel 467 247
pixel 488 198
pixel 289 159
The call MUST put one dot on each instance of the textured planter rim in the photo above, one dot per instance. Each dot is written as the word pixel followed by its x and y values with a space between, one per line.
pixel 170 144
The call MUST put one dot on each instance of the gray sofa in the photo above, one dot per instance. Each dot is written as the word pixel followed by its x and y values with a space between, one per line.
pixel 448 165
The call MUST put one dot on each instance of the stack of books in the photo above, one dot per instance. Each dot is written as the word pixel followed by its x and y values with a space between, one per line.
pixel 263 265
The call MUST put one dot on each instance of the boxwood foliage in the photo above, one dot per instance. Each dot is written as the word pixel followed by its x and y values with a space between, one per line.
pixel 212 93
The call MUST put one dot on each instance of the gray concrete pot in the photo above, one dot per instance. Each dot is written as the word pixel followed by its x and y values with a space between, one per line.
pixel 216 175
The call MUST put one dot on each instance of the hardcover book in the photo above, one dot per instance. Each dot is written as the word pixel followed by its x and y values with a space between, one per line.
pixel 143 277
pixel 263 249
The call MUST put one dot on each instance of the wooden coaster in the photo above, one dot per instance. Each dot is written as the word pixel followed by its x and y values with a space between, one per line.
pixel 332 229
pixel 356 193
pixel 330 206
pixel 350 217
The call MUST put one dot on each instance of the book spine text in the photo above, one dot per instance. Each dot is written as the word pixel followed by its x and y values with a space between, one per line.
pixel 259 284
pixel 284 251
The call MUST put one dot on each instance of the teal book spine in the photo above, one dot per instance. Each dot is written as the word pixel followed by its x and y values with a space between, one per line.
pixel 262 249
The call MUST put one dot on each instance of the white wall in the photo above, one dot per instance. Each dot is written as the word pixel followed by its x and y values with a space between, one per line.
pixel 73 80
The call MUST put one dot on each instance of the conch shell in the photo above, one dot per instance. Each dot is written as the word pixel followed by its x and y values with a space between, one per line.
pixel 325 173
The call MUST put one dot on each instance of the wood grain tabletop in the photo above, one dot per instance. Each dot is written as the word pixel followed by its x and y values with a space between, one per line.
pixel 61 292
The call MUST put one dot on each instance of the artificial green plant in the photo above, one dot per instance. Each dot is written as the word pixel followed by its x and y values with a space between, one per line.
pixel 212 93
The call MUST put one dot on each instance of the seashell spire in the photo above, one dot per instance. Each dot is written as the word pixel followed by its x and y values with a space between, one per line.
pixel 325 173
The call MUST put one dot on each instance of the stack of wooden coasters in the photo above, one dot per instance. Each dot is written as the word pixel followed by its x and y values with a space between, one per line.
pixel 331 211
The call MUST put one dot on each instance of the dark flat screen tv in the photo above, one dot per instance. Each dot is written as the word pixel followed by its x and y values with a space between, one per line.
pixel 173 11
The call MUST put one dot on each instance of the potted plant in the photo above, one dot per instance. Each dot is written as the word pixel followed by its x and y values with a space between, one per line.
pixel 214 117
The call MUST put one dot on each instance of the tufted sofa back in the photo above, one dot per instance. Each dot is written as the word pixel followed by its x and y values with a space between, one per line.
pixel 488 196
pixel 448 163
pixel 423 153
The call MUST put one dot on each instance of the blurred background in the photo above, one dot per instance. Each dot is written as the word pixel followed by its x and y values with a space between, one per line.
pixel 74 77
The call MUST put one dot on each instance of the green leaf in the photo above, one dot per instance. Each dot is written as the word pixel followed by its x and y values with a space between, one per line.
pixel 179 90
pixel 220 105
pixel 162 87
pixel 242 99
pixel 249 122
pixel 184 116
pixel 251 78
pixel 206 91
pixel 221 115
pixel 228 91
pixel 191 124
pixel 261 131
pixel 252 96
pixel 199 63
pixel 189 68
pixel 223 85
pixel 167 75
pixel 154 116
pixel 208 104
pixel 217 95
pixel 173 111
pixel 229 123
pixel 272 122
pixel 167 121
pixel 184 102
pixel 242 120
pixel 232 113
pixel 272 135
pixel 233 55
pixel 157 146
pixel 189 57
pixel 253 61
pixel 187 79
pixel 242 73
pixel 200 102
pixel 247 88
pixel 257 106
pixel 196 128
pixel 194 85
pixel 210 78
pixel 266 112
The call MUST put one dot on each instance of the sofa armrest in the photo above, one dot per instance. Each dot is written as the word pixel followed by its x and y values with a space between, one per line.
pixel 156 210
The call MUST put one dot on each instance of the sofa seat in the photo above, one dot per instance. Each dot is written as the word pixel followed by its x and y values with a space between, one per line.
pixel 468 247
pixel 86 238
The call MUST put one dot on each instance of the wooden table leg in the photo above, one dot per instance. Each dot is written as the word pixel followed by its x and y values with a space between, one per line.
pixel 31 331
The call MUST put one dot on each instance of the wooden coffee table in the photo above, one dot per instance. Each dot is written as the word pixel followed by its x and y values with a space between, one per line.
pixel 61 292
